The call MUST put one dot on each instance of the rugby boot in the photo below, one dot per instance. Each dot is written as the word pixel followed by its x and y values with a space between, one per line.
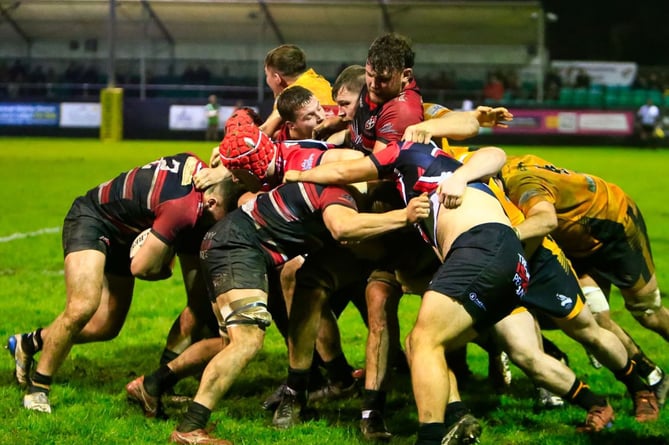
pixel 598 418
pixel 465 431
pixel 196 437
pixel 138 394
pixel 22 360
pixel 37 401
pixel 646 408
pixel 287 414
pixel 373 427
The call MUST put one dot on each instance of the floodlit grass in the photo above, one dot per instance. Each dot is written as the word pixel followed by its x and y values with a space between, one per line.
pixel 40 179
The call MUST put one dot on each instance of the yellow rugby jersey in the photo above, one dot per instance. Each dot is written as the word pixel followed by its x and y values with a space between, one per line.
pixel 434 111
pixel 580 200
pixel 317 84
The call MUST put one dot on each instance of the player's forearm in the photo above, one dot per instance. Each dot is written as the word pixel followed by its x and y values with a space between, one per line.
pixel 339 173
pixel 455 125
pixel 484 163
pixel 361 226
pixel 538 224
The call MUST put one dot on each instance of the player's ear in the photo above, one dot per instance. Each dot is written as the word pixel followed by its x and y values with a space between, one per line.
pixel 407 75
pixel 211 202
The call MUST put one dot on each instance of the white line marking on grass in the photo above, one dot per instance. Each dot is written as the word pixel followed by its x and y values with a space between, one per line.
pixel 15 236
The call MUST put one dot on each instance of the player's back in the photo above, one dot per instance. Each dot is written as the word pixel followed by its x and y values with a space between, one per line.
pixel 581 200
pixel 132 200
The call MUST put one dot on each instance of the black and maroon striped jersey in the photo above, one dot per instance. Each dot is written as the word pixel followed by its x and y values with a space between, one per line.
pixel 289 218
pixel 385 122
pixel 159 195
pixel 419 168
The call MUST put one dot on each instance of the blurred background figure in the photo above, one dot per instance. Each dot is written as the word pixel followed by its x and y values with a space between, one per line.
pixel 648 119
pixel 212 119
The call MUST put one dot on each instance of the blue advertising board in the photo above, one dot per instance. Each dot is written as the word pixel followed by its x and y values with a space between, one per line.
pixel 16 114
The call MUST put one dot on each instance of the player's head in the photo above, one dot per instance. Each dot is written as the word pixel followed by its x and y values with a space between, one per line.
pixel 283 65
pixel 221 198
pixel 241 117
pixel 346 90
pixel 247 152
pixel 300 110
pixel 389 66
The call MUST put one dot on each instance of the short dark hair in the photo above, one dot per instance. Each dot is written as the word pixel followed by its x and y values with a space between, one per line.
pixel 292 99
pixel 352 77
pixel 230 190
pixel 390 52
pixel 288 60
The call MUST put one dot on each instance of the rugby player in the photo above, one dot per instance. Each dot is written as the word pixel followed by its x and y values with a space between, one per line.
pixel 99 274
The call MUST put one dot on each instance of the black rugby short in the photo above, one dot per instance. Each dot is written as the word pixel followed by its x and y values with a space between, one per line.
pixel 485 270
pixel 84 229
pixel 232 258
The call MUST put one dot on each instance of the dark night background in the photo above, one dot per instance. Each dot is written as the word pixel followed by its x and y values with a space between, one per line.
pixel 614 30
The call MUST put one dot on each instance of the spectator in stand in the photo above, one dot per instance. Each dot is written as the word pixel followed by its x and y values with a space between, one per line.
pixel 512 85
pixel 553 84
pixel 582 79
pixel 189 74
pixel 493 89
pixel 648 118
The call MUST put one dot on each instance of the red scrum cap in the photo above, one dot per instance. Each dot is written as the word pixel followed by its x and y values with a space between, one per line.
pixel 241 117
pixel 247 148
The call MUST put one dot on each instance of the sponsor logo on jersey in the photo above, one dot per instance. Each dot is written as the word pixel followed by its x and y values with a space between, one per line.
pixel 522 276
pixel 308 164
pixel 370 123
pixel 475 299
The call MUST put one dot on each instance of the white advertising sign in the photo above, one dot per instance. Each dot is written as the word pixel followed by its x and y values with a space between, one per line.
pixel 79 115
pixel 601 73
pixel 194 117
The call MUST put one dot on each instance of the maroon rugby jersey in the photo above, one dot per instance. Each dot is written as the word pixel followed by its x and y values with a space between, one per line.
pixel 159 195
pixel 296 155
pixel 385 122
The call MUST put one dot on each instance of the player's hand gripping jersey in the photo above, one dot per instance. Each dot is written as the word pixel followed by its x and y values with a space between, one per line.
pixel 419 168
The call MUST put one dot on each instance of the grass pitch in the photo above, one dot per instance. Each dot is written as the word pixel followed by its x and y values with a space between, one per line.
pixel 41 178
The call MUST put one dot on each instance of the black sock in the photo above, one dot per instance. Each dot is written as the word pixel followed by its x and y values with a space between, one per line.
pixel 160 381
pixel 339 371
pixel 374 401
pixel 551 349
pixel 31 342
pixel 316 379
pixel 430 433
pixel 644 365
pixel 630 377
pixel 298 380
pixel 454 412
pixel 581 395
pixel 167 356
pixel 40 383
pixel 196 418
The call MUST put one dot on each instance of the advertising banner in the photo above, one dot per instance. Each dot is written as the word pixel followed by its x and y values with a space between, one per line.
pixel 573 122
pixel 80 115
pixel 194 117
pixel 601 73
pixel 19 114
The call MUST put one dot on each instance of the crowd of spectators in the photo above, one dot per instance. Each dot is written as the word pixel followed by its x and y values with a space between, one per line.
pixel 36 80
